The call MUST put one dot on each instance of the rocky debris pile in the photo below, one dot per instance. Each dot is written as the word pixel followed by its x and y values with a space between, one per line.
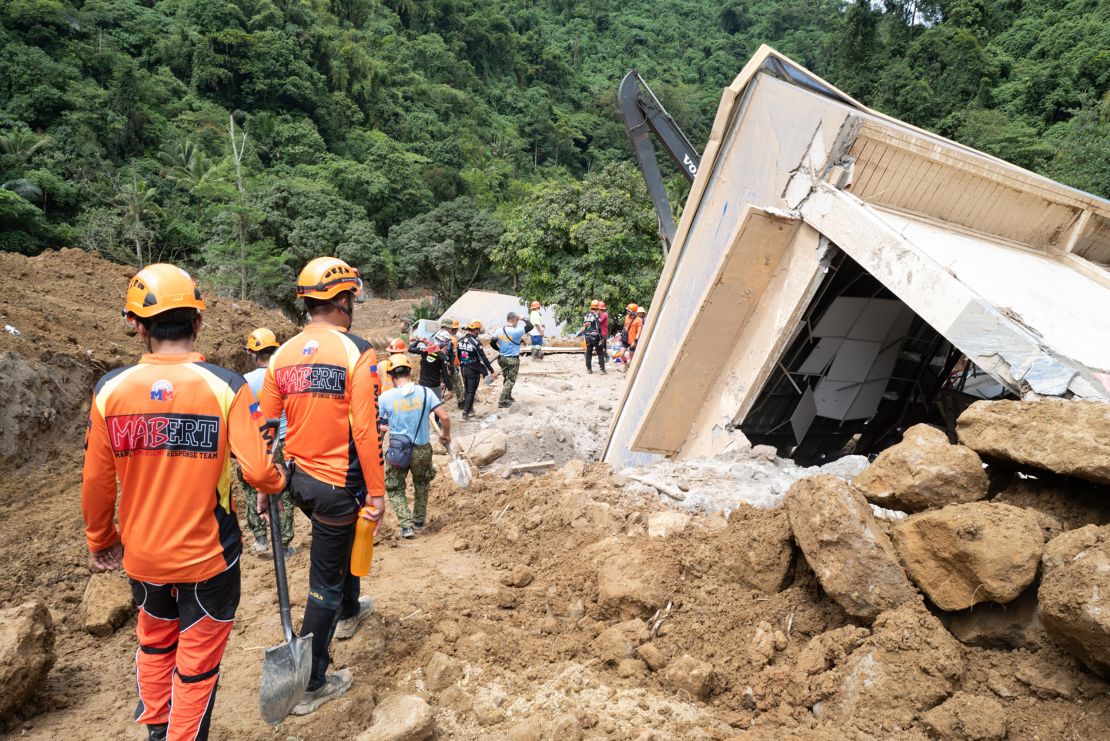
pixel 107 604
pixel 923 471
pixel 1075 594
pixel 1065 437
pixel 26 653
pixel 742 475
pixel 851 556
pixel 964 554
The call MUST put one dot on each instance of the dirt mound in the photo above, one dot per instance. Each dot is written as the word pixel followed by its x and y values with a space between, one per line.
pixel 65 306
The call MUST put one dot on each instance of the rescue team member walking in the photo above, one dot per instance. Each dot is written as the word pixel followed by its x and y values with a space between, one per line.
pixel 435 365
pixel 406 411
pixel 261 344
pixel 633 324
pixel 447 337
pixel 509 339
pixel 396 346
pixel 474 364
pixel 326 382
pixel 166 429
pixel 536 333
pixel 595 342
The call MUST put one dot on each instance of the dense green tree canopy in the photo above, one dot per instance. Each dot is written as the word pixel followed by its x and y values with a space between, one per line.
pixel 470 142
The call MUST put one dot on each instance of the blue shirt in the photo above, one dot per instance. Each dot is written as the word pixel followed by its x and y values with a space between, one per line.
pixel 407 408
pixel 510 338
pixel 254 380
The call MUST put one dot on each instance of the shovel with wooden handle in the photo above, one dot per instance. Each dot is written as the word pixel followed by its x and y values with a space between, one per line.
pixel 287 666
pixel 459 468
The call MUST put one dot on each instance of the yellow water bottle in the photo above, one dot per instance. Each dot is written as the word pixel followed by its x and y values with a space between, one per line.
pixel 362 553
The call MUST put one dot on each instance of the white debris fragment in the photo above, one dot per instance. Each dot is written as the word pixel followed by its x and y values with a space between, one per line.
pixel 12 330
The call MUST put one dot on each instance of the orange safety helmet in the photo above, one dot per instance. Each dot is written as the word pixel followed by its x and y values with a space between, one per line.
pixel 601 305
pixel 399 361
pixel 397 345
pixel 454 324
pixel 477 325
pixel 261 339
pixel 631 308
pixel 535 304
pixel 161 287
pixel 594 303
pixel 326 277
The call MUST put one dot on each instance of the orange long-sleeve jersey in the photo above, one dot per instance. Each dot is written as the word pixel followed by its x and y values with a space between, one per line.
pixel 326 381
pixel 635 327
pixel 165 428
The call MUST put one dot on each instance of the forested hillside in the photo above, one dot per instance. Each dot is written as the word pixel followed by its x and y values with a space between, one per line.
pixel 453 143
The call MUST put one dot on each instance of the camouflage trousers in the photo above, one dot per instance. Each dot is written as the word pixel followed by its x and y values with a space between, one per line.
pixel 255 522
pixel 422 474
pixel 510 367
pixel 456 381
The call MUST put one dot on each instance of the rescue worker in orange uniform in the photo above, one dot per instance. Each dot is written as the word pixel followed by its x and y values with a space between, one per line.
pixel 397 346
pixel 326 381
pixel 166 428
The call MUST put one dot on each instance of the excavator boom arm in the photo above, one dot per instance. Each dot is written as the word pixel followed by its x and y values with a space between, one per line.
pixel 643 115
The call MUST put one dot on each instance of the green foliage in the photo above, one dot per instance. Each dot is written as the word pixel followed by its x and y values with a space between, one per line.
pixel 440 124
pixel 447 248
pixel 572 242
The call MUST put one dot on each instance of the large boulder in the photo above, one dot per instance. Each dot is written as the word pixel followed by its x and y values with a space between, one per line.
pixel 26 652
pixel 635 583
pixel 963 554
pixel 756 548
pixel 107 603
pixel 1075 595
pixel 909 664
pixel 923 471
pixel 847 550
pixel 400 718
pixel 484 447
pixel 1068 437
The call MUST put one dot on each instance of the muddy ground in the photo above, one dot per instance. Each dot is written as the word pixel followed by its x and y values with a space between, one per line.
pixel 526 659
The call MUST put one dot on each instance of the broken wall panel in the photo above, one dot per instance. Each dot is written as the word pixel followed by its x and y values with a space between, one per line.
pixel 953 233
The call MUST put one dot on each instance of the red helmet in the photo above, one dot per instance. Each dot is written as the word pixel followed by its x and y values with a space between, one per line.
pixel 397 346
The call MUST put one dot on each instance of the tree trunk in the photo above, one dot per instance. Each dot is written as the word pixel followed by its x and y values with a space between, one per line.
pixel 237 150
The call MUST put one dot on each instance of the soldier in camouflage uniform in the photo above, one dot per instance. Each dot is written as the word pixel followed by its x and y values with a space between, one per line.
pixel 406 410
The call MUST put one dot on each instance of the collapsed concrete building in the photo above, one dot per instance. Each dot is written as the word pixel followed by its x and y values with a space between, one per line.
pixel 838 274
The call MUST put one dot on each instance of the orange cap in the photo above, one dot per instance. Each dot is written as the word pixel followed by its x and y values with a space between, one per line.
pixel 161 287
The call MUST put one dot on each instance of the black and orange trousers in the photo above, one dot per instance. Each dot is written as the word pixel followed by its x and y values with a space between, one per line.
pixel 183 630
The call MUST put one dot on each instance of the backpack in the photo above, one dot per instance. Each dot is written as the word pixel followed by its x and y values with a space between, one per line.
pixel 399 453
pixel 593 327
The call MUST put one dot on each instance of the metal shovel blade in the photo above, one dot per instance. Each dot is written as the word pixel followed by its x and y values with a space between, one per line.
pixel 285 673
pixel 460 472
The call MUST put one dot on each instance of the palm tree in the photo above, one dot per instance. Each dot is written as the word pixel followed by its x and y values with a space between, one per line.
pixel 185 165
pixel 22 144
pixel 137 202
